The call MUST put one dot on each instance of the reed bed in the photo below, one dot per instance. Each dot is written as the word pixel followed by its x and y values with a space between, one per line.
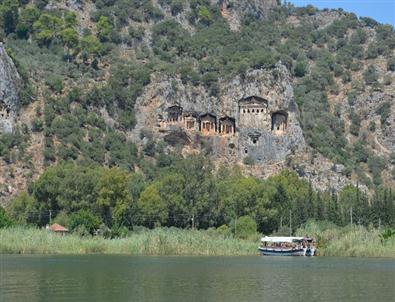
pixel 355 241
pixel 350 241
pixel 19 240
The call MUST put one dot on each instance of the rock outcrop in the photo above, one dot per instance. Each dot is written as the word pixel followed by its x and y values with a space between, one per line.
pixel 9 92
pixel 254 116
pixel 234 10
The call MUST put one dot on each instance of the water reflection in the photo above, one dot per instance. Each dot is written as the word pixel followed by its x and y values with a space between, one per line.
pixel 123 278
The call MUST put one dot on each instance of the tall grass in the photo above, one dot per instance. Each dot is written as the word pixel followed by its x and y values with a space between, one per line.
pixel 352 240
pixel 159 241
pixel 332 241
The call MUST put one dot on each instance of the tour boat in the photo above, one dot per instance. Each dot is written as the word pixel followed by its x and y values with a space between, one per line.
pixel 287 246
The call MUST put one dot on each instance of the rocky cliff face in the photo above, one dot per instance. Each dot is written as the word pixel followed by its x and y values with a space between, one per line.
pixel 9 89
pixel 234 10
pixel 252 117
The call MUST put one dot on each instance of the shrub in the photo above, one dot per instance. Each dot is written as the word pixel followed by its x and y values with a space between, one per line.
pixel 176 7
pixel 370 75
pixel 224 230
pixel 355 123
pixel 5 221
pixel 376 164
pixel 37 125
pixel 372 52
pixel 300 69
pixel 384 110
pixel 84 219
pixel 62 218
pixel 372 126
pixel 351 97
pixel 55 83
pixel 248 160
pixel 205 16
pixel 391 64
pixel 245 227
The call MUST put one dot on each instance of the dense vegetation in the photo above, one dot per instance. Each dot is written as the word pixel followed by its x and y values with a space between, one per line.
pixel 332 241
pixel 160 241
pixel 187 193
pixel 53 45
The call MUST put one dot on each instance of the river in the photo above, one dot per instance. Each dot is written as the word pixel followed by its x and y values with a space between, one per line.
pixel 99 278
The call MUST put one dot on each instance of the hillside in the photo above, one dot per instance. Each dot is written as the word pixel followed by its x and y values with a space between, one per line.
pixel 252 84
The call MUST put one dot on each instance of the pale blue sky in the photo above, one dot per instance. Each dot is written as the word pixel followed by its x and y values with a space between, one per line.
pixel 382 11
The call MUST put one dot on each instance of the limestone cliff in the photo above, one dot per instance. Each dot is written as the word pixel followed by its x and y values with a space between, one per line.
pixel 254 116
pixel 234 10
pixel 9 89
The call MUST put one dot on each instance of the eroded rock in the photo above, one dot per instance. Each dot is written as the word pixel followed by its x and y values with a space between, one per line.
pixel 9 92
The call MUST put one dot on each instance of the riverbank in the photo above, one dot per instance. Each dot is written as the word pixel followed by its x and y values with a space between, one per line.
pixel 348 241
pixel 160 241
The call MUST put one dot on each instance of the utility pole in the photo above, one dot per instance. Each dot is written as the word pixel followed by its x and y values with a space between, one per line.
pixel 193 221
pixel 290 223
pixel 351 215
pixel 50 216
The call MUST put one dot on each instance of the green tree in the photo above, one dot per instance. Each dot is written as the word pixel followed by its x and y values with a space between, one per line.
pixel 46 28
pixel 104 28
pixel 171 188
pixel 205 15
pixel 69 37
pixel 22 209
pixel 27 17
pixel 113 194
pixel 152 209
pixel 245 227
pixel 9 16
pixel 70 19
pixel 84 221
pixel 91 45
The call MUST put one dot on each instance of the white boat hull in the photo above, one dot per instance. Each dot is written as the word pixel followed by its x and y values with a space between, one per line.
pixel 283 252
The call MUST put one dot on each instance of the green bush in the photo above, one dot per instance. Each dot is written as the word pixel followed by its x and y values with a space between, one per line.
pixel 245 227
pixel 300 69
pixel 384 111
pixel 391 64
pixel 84 220
pixel 37 125
pixel 355 123
pixel 370 75
pixel 248 160
pixel 5 220
pixel 55 83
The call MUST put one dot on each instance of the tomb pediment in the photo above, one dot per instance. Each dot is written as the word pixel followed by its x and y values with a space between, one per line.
pixel 253 102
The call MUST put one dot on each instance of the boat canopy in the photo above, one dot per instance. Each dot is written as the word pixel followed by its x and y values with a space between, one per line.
pixel 284 239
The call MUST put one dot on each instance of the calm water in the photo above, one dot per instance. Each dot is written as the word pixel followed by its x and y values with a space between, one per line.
pixel 125 278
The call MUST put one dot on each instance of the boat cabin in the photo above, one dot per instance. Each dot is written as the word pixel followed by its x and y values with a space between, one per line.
pixel 287 246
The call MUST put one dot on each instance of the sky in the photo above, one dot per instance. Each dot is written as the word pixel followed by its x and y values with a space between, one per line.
pixel 382 11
